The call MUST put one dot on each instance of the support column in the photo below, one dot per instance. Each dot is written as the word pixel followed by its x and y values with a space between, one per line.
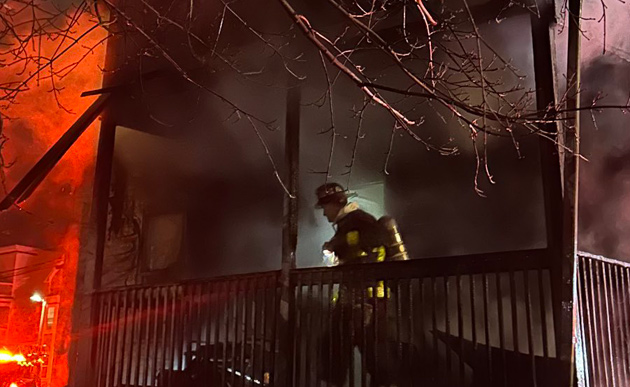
pixel 283 369
pixel 571 173
pixel 90 269
pixel 560 180
pixel 100 208
pixel 550 153
pixel 292 163
pixel 546 100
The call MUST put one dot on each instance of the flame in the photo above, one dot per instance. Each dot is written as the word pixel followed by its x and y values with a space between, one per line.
pixel 14 385
pixel 38 119
pixel 9 357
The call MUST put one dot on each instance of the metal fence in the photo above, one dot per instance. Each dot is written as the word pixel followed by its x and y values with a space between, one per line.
pixel 603 352
pixel 477 320
pixel 483 321
pixel 216 332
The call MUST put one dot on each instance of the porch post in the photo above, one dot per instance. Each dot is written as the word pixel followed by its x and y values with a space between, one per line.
pixel 560 175
pixel 283 374
pixel 102 182
pixel 551 154
pixel 89 274
pixel 292 163
pixel 546 99
pixel 571 173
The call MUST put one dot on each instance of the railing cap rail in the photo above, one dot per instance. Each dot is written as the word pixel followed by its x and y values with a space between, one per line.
pixel 473 264
pixel 196 281
pixel 601 258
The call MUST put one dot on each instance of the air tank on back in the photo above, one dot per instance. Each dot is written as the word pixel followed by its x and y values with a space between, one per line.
pixel 396 250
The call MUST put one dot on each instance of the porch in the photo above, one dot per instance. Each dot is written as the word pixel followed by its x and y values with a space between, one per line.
pixel 483 320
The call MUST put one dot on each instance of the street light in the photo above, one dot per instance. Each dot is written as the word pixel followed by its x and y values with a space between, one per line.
pixel 39 299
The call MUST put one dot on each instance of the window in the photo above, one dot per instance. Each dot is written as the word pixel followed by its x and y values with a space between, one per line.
pixel 162 240
pixel 50 317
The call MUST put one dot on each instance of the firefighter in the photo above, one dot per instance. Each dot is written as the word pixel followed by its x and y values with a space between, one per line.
pixel 359 238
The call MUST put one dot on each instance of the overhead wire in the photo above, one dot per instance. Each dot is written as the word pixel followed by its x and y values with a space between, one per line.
pixel 23 270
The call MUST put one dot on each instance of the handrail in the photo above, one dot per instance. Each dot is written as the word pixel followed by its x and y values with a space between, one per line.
pixel 603 259
pixel 436 266
pixel 441 266
pixel 195 281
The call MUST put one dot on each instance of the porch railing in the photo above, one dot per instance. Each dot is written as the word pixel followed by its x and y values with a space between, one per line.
pixel 476 320
pixel 603 350
pixel 484 320
pixel 157 335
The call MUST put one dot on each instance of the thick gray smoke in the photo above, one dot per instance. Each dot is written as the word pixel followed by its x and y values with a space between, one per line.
pixel 605 178
pixel 604 217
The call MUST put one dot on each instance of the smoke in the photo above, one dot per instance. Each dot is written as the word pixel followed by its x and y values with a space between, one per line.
pixel 605 179
pixel 605 31
pixel 204 180
pixel 604 207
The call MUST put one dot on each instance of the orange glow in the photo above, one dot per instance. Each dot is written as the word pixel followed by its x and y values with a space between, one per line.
pixel 8 357
pixel 13 385
pixel 36 121
pixel 37 111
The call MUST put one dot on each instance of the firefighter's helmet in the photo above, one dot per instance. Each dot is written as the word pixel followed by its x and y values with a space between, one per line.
pixel 330 193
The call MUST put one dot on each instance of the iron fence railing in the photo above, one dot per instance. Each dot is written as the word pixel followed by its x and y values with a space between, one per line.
pixel 475 320
pixel 483 321
pixel 216 332
pixel 603 350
